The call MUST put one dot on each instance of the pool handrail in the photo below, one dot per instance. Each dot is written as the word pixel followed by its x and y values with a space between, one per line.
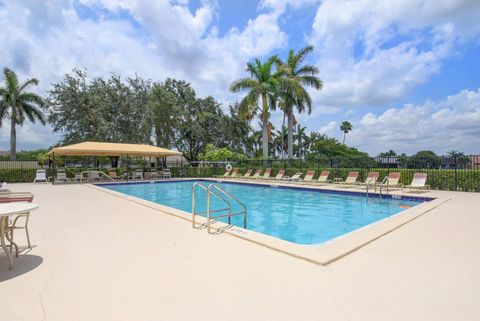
pixel 217 191
pixel 199 184
pixel 98 172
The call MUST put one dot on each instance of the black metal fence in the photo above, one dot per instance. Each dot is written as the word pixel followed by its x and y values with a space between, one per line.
pixel 454 173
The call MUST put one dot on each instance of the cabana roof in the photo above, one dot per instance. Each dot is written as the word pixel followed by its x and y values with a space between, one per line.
pixel 112 149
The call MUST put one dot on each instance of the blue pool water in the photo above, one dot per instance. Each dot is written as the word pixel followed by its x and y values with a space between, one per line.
pixel 299 216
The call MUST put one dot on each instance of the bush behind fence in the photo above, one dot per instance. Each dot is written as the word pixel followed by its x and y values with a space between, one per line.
pixel 455 176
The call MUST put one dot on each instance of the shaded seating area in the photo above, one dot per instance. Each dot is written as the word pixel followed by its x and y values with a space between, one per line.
pixel 115 150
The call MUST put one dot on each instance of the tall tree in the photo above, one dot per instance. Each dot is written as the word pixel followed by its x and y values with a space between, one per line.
pixel 17 103
pixel 294 77
pixel 261 85
pixel 301 139
pixel 109 110
pixel 280 140
pixel 345 127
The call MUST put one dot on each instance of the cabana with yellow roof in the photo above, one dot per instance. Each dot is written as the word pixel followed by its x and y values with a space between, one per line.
pixel 112 150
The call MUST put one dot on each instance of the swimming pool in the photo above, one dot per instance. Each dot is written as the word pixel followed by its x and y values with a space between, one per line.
pixel 302 216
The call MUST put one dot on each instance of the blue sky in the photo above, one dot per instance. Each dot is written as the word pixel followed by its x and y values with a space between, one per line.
pixel 405 73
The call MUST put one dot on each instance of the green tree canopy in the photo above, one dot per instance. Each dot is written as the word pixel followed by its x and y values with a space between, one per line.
pixel 390 153
pixel 425 159
pixel 212 153
pixel 323 145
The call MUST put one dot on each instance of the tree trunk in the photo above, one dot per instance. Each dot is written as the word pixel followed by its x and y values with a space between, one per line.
pixel 13 137
pixel 300 147
pixel 290 135
pixel 265 128
pixel 283 136
pixel 344 134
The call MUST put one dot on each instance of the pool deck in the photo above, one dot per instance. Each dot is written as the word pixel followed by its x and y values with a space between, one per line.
pixel 100 257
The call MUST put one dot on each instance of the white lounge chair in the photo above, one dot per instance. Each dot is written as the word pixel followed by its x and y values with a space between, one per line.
pixel 349 181
pixel 295 178
pixel 3 188
pixel 267 173
pixel 226 174
pixel 234 173
pixel 257 174
pixel 371 180
pixel 93 176
pixel 138 174
pixel 61 176
pixel 418 183
pixel 279 175
pixel 323 178
pixel 247 173
pixel 308 177
pixel 113 174
pixel 391 181
pixel 40 176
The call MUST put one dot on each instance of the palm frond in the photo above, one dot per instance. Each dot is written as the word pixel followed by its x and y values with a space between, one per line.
pixel 312 81
pixel 11 80
pixel 301 54
pixel 244 84
pixel 307 70
pixel 33 81
pixel 31 98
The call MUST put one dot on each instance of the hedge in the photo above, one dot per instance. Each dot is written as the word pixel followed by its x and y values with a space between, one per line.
pixel 439 179
pixel 17 175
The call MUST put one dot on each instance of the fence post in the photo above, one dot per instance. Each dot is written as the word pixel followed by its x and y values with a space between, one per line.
pixel 456 165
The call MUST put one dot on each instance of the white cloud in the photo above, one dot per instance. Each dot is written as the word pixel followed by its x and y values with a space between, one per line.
pixel 449 124
pixel 156 39
pixel 374 52
pixel 29 136
pixel 329 129
pixel 369 52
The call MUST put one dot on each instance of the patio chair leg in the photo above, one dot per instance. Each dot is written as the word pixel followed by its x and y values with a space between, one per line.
pixel 3 232
pixel 11 235
pixel 28 237
pixel 9 238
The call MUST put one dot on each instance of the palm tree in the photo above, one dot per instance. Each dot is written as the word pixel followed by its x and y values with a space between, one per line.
pixel 293 79
pixel 279 141
pixel 301 138
pixel 17 104
pixel 262 84
pixel 345 127
pixel 311 139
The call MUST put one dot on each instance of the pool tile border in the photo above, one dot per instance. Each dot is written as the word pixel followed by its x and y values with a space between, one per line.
pixel 317 189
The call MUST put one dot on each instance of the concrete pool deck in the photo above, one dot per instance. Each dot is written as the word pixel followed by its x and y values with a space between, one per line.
pixel 100 257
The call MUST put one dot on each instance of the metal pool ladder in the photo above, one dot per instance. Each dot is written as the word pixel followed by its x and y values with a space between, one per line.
pixel 225 197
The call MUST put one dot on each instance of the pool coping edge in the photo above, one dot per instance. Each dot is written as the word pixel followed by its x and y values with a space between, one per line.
pixel 321 254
